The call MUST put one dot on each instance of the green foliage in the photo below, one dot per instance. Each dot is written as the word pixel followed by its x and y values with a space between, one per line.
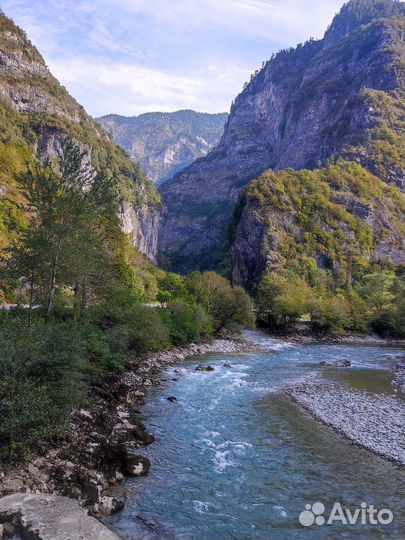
pixel 229 307
pixel 282 300
pixel 324 212
pixel 141 327
pixel 330 314
pixel 186 323
pixel 376 301
pixel 41 373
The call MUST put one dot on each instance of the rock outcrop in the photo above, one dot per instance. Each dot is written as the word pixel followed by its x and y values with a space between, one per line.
pixel 165 143
pixel 286 217
pixel 339 96
pixel 37 114
pixel 50 517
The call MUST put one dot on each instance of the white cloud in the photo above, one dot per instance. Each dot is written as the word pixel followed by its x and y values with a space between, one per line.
pixel 131 56
pixel 264 19
pixel 130 89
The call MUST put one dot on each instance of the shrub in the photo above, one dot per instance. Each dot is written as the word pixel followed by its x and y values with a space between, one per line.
pixel 146 331
pixel 41 374
pixel 329 314
pixel 186 322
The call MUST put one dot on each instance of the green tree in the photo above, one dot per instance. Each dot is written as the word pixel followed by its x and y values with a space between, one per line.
pixel 376 290
pixel 63 245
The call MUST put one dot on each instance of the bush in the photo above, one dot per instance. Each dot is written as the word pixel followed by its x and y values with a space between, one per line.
pixel 104 351
pixel 41 374
pixel 330 314
pixel 229 308
pixel 186 323
pixel 146 331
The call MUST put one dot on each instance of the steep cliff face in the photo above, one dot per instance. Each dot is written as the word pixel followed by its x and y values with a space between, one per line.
pixel 340 96
pixel 165 143
pixel 36 115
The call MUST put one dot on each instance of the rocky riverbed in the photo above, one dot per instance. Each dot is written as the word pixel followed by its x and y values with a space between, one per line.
pixel 373 421
pixel 99 446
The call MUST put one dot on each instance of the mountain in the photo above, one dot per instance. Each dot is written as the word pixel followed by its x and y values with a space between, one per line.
pixel 165 143
pixel 36 115
pixel 341 97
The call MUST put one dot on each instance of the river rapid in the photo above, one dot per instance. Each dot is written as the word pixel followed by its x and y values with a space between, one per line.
pixel 234 458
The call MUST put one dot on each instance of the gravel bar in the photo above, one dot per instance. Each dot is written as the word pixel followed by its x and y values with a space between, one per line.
pixel 373 421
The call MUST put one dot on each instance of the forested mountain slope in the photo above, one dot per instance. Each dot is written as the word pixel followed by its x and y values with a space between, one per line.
pixel 165 143
pixel 36 115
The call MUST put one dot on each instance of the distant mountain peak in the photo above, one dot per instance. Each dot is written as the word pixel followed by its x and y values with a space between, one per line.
pixel 356 13
pixel 163 143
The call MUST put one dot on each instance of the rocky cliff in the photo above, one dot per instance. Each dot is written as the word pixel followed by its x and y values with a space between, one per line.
pixel 36 115
pixel 165 143
pixel 339 96
pixel 286 218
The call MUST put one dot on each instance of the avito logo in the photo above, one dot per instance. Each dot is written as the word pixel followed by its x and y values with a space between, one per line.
pixel 366 514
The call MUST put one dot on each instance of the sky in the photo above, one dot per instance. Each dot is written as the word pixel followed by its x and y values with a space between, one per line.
pixel 133 56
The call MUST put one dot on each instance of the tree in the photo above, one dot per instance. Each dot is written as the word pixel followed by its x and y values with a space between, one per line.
pixel 64 244
pixel 230 308
pixel 376 290
pixel 282 300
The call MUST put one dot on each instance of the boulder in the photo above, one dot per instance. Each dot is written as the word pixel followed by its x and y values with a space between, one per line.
pixel 107 506
pixel 141 435
pixel 172 399
pixel 226 365
pixel 204 367
pixel 136 465
pixel 51 517
pixel 336 363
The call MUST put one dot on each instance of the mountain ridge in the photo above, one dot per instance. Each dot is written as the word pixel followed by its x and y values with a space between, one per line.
pixel 165 142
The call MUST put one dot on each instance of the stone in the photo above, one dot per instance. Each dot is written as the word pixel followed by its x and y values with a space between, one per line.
pixel 172 399
pixel 203 367
pixel 136 465
pixel 107 506
pixel 51 517
pixel 336 363
pixel 9 530
pixel 226 365
pixel 142 435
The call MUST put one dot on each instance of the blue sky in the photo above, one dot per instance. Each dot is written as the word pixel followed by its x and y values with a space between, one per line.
pixel 134 56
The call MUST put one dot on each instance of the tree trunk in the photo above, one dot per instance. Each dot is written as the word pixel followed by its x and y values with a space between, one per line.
pixel 52 287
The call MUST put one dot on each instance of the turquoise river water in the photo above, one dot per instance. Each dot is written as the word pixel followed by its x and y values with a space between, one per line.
pixel 235 459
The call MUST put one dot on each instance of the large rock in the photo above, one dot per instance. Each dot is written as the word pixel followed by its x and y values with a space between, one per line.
pixel 136 465
pixel 50 517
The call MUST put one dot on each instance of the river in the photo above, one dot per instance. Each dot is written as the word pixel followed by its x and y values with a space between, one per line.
pixel 234 458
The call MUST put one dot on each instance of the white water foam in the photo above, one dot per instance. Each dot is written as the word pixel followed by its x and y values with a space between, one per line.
pixel 224 453
pixel 201 507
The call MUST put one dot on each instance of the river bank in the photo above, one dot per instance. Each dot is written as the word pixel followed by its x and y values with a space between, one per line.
pixel 98 447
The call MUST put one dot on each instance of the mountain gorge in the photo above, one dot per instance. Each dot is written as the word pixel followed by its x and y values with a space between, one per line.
pixel 37 114
pixel 164 143
pixel 339 98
